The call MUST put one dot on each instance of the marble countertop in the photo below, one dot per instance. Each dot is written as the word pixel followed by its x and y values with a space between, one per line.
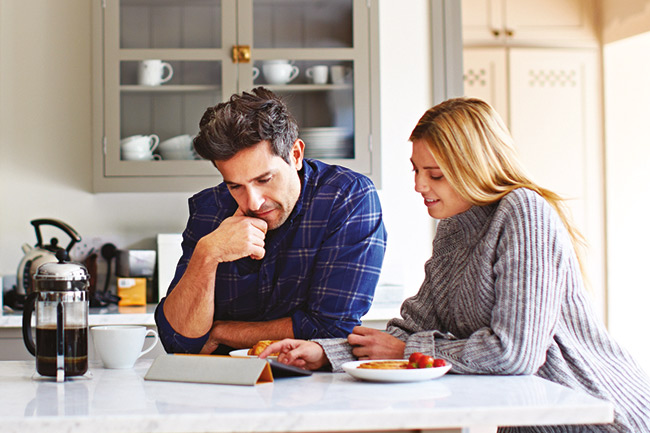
pixel 121 400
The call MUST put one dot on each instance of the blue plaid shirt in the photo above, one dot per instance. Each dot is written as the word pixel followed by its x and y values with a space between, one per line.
pixel 320 267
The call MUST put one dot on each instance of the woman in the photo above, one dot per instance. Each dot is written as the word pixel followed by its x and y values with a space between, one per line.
pixel 503 292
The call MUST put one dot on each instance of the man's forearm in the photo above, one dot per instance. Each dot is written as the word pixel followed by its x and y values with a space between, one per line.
pixel 189 308
pixel 245 334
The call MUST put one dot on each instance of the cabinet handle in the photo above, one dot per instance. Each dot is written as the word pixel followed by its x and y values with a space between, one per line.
pixel 510 32
pixel 241 54
pixel 496 33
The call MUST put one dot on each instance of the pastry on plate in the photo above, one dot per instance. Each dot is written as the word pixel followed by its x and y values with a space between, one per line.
pixel 398 364
pixel 260 346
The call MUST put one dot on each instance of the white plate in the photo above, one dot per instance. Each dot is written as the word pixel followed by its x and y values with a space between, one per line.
pixel 244 353
pixel 377 375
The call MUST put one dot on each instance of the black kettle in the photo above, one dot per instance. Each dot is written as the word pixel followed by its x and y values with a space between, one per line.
pixel 41 253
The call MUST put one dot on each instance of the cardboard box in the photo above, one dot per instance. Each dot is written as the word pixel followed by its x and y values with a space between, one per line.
pixel 132 291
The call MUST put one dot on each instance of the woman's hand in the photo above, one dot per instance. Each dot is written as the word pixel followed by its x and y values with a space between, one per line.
pixel 369 343
pixel 299 353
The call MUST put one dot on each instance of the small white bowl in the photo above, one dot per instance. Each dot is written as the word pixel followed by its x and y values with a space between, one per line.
pixel 176 154
pixel 137 155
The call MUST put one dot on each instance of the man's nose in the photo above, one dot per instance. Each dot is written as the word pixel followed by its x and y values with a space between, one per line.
pixel 255 199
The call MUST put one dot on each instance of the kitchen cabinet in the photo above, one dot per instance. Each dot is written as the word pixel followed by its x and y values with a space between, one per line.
pixel 213 47
pixel 547 22
pixel 550 99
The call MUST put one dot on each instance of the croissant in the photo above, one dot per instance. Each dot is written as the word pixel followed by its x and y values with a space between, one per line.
pixel 260 346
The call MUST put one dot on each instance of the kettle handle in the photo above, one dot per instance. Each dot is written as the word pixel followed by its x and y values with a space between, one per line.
pixel 28 309
pixel 37 223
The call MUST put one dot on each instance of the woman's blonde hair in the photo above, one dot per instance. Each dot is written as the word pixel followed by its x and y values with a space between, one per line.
pixel 476 153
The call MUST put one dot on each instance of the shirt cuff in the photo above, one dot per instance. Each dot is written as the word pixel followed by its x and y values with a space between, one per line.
pixel 172 341
pixel 305 328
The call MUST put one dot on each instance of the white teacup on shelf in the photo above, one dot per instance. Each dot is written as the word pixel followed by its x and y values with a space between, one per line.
pixel 152 72
pixel 317 74
pixel 140 143
pixel 136 155
pixel 183 142
pixel 139 147
pixel 179 147
pixel 279 71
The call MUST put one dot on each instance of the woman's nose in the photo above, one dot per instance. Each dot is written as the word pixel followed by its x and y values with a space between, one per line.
pixel 420 185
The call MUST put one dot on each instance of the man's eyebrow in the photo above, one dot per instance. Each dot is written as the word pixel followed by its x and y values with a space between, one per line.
pixel 261 176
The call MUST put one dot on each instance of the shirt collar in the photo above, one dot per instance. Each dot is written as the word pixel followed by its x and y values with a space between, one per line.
pixel 306 174
pixel 467 224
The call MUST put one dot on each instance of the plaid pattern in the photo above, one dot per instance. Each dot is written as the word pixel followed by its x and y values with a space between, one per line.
pixel 320 267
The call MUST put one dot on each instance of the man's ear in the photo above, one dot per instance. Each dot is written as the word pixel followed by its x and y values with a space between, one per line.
pixel 298 153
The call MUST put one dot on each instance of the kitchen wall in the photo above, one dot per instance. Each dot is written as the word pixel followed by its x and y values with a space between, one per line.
pixel 628 187
pixel 626 67
pixel 45 136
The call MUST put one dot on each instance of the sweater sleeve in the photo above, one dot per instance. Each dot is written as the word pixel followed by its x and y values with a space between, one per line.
pixel 530 268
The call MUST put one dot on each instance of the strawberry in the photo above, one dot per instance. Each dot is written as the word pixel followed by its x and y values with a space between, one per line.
pixel 425 362
pixel 413 359
pixel 438 362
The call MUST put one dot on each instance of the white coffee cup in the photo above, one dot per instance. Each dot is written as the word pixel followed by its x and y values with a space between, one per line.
pixel 179 142
pixel 119 346
pixel 339 74
pixel 152 72
pixel 317 74
pixel 139 155
pixel 279 71
pixel 140 143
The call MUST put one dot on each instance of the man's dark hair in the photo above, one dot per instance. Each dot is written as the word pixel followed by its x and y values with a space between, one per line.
pixel 242 122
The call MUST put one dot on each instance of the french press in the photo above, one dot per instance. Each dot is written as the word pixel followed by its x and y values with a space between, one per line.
pixel 61 303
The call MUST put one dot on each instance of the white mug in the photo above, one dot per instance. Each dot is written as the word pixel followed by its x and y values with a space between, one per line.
pixel 179 142
pixel 139 143
pixel 119 346
pixel 317 74
pixel 179 147
pixel 152 72
pixel 279 72
pixel 137 155
pixel 339 74
pixel 256 72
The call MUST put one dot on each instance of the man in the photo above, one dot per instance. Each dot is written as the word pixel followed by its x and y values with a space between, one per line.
pixel 284 247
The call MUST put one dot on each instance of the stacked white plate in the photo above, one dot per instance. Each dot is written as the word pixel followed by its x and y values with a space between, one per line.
pixel 328 142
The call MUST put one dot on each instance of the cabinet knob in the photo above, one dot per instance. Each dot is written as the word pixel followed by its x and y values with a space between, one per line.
pixel 496 33
pixel 510 32
pixel 241 54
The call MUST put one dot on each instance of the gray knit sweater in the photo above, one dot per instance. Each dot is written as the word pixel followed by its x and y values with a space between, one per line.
pixel 503 295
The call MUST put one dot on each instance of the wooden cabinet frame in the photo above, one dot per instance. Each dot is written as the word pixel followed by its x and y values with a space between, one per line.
pixel 114 175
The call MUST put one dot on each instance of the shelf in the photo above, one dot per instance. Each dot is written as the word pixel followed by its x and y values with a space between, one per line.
pixel 305 87
pixel 134 88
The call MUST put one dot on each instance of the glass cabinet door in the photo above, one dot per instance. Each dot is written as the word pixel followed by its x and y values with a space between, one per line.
pixel 166 61
pixel 308 51
pixel 160 63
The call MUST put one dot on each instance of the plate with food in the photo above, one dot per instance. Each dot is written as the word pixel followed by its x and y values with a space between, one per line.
pixel 397 370
pixel 255 351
